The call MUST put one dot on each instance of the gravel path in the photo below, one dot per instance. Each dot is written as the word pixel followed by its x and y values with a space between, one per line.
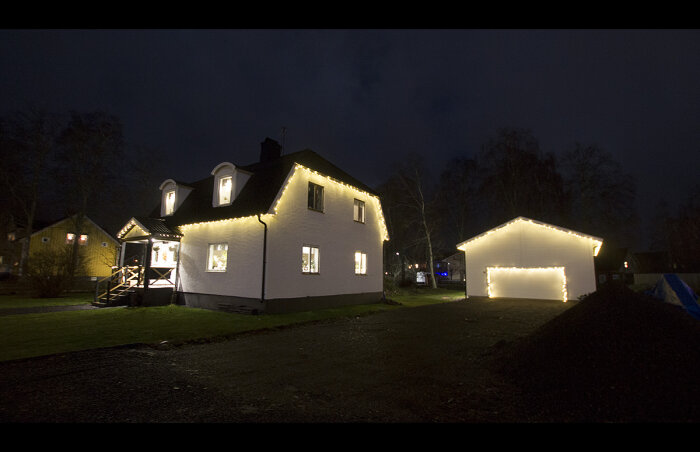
pixel 426 364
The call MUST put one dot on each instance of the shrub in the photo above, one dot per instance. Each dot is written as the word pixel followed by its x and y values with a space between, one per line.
pixel 47 272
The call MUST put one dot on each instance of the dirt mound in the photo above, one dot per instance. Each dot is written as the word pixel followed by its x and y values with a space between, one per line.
pixel 617 356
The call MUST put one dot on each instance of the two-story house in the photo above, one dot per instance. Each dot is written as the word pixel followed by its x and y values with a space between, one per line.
pixel 290 232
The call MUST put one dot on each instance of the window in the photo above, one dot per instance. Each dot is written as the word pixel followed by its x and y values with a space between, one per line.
pixel 217 256
pixel 359 211
pixel 104 244
pixel 11 236
pixel 44 240
pixel 360 263
pixel 225 185
pixel 315 197
pixel 70 238
pixel 309 259
pixel 83 239
pixel 170 202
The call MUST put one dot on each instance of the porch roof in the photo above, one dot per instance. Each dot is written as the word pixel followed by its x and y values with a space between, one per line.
pixel 149 227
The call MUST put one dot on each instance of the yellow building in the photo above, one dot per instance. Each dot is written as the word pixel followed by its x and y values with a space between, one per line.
pixel 99 249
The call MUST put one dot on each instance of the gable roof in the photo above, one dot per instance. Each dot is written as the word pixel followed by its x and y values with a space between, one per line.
pixel 99 228
pixel 155 227
pixel 462 246
pixel 258 194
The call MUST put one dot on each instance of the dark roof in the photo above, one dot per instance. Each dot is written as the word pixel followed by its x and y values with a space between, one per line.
pixel 257 194
pixel 156 226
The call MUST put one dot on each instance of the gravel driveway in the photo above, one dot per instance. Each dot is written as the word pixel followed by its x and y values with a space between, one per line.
pixel 425 364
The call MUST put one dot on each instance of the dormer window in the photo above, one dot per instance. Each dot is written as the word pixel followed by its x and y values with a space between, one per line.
pixel 225 186
pixel 228 183
pixel 173 194
pixel 170 202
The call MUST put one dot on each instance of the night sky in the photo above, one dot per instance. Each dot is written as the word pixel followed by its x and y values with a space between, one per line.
pixel 363 98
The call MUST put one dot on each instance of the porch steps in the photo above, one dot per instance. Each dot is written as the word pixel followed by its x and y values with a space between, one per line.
pixel 117 299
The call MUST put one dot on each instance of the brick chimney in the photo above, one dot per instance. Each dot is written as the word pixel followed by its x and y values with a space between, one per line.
pixel 269 150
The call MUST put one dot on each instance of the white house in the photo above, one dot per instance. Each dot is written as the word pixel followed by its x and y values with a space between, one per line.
pixel 524 258
pixel 290 232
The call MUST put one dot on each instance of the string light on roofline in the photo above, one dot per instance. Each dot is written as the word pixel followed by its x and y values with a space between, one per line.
pixel 560 270
pixel 596 242
pixel 288 183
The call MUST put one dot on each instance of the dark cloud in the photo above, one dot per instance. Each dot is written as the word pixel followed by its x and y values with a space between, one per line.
pixel 365 97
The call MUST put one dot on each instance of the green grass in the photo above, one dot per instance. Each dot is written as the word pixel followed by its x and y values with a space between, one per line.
pixel 23 301
pixel 31 335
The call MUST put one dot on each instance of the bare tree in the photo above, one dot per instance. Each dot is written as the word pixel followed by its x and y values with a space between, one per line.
pixel 601 195
pixel 90 152
pixel 27 145
pixel 409 205
pixel 519 179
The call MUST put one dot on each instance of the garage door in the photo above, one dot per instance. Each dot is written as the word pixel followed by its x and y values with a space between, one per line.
pixel 547 283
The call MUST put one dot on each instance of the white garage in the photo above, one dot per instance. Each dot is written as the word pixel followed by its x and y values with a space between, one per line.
pixel 525 258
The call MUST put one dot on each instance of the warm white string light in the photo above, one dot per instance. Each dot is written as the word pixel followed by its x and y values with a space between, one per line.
pixel 560 270
pixel 597 243
pixel 290 178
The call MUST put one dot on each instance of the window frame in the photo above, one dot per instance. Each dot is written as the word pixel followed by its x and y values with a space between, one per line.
pixel 355 204
pixel 318 259
pixel 223 178
pixel 170 208
pixel 315 199
pixel 363 260
pixel 209 258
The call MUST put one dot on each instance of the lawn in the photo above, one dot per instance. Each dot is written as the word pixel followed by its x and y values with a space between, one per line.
pixel 31 335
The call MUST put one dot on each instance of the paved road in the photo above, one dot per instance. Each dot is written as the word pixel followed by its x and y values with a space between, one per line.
pixel 426 364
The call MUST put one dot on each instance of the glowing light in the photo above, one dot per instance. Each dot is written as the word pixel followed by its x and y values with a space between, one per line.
pixel 596 242
pixel 225 185
pixel 560 270
pixel 626 265
pixel 170 202
pixel 300 168
pixel 360 263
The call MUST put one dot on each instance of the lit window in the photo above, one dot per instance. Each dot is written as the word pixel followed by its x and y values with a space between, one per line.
pixel 216 260
pixel 225 185
pixel 70 238
pixel 315 197
pixel 359 211
pixel 170 202
pixel 360 263
pixel 83 239
pixel 309 259
pixel 11 236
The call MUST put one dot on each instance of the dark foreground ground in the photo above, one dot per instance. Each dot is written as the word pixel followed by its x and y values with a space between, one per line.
pixel 615 357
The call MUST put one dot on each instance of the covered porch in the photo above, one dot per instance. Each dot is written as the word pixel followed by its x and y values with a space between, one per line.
pixel 148 265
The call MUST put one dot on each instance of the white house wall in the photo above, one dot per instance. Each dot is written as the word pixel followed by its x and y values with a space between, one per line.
pixel 243 275
pixel 294 225
pixel 525 245
pixel 334 232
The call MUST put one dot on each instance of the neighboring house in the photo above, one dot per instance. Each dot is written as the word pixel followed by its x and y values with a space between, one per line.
pixel 613 264
pixel 452 268
pixel 98 248
pixel 288 233
pixel 524 258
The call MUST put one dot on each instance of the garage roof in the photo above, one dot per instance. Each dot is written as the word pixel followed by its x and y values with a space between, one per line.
pixel 598 242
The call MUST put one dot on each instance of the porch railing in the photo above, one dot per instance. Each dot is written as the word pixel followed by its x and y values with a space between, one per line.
pixel 118 283
pixel 123 279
